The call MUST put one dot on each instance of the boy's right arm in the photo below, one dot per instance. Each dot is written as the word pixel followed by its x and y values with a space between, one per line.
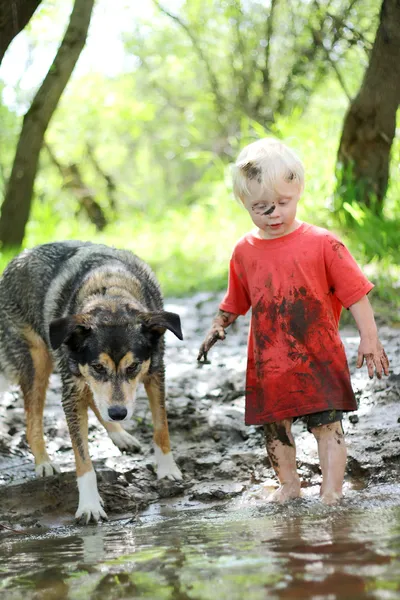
pixel 217 332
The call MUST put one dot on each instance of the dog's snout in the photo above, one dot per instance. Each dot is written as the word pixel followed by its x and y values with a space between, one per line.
pixel 117 413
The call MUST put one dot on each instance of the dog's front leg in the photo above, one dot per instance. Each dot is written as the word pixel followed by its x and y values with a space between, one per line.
pixel 75 403
pixel 155 389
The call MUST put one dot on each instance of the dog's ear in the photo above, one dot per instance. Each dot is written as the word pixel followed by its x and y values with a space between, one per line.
pixel 158 322
pixel 68 330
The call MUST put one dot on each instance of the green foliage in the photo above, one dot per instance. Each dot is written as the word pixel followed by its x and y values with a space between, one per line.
pixel 375 232
pixel 166 134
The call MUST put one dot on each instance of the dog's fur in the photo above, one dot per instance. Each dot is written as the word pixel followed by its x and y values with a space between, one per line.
pixel 97 314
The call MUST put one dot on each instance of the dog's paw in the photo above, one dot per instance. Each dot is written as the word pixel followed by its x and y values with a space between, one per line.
pixel 125 441
pixel 47 469
pixel 173 473
pixel 167 467
pixel 90 506
pixel 91 512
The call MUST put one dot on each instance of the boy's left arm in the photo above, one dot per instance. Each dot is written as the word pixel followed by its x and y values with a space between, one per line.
pixel 370 347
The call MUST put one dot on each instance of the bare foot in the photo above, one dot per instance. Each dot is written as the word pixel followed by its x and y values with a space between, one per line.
pixel 285 492
pixel 330 498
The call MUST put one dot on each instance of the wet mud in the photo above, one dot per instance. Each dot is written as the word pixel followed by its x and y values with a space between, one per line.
pixel 219 456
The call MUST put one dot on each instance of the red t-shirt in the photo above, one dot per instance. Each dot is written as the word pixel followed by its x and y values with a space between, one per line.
pixel 296 286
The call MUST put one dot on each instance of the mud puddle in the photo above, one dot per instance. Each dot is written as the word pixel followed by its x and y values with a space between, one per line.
pixel 213 535
pixel 234 549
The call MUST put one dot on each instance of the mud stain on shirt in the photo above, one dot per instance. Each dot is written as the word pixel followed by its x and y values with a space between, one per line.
pixel 300 314
pixel 337 247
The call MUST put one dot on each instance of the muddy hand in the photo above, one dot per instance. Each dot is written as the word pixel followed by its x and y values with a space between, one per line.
pixel 375 358
pixel 211 339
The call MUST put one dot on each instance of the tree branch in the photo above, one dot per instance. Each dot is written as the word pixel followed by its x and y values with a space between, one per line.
pixel 265 72
pixel 163 91
pixel 357 36
pixel 220 102
pixel 242 75
pixel 319 38
pixel 110 184
pixel 72 178
pixel 337 73
pixel 267 53
pixel 14 16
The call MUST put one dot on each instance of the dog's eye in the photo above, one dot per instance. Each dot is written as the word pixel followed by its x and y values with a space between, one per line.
pixel 131 370
pixel 99 369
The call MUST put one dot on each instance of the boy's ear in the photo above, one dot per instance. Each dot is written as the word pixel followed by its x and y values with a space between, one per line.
pixel 69 330
pixel 159 322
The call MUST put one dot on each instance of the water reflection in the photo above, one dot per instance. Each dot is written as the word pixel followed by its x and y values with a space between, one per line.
pixel 302 550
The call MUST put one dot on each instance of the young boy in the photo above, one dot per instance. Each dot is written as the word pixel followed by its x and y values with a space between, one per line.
pixel 296 278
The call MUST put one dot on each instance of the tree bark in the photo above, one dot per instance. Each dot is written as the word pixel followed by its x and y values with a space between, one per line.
pixel 17 203
pixel 370 123
pixel 108 179
pixel 73 181
pixel 14 16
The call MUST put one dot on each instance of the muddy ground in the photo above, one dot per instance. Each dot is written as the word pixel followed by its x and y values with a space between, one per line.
pixel 219 456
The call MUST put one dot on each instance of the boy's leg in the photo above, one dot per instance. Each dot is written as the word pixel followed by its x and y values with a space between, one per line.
pixel 332 457
pixel 281 450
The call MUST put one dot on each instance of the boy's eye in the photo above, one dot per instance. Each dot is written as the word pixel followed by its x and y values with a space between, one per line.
pixel 259 208
pixel 99 369
pixel 131 370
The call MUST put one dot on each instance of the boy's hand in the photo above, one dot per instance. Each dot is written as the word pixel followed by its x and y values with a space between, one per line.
pixel 375 357
pixel 217 332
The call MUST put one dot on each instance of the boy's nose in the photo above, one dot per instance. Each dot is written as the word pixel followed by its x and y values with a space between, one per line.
pixel 275 216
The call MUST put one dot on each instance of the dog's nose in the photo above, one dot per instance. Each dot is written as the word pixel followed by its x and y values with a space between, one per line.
pixel 117 413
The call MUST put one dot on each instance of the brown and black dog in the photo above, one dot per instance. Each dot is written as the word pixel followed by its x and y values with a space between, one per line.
pixel 97 314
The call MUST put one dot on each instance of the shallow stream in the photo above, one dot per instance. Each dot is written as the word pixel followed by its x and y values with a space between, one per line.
pixel 235 550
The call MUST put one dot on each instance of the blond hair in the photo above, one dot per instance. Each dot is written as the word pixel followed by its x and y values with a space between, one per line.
pixel 267 161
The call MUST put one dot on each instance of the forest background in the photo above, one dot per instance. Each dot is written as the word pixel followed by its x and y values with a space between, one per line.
pixel 138 149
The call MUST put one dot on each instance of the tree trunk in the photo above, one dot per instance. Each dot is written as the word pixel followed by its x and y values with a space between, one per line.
pixel 108 179
pixel 17 203
pixel 370 123
pixel 14 16
pixel 73 180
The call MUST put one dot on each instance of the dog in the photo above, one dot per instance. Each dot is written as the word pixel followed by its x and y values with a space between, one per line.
pixel 96 313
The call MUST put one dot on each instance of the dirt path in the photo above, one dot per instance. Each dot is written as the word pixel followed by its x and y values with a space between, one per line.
pixel 220 457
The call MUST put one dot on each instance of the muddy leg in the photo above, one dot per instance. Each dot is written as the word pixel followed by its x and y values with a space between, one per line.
pixel 34 381
pixel 281 450
pixel 332 457
pixel 166 466
pixel 121 438
pixel 75 403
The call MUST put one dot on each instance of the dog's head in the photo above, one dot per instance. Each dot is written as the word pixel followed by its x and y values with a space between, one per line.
pixel 113 352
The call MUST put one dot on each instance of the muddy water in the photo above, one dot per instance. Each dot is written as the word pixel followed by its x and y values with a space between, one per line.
pixel 232 550
pixel 214 536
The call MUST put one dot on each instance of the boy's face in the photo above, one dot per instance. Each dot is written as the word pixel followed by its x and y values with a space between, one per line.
pixel 273 211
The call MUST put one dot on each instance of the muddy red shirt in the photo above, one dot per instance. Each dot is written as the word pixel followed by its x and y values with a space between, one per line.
pixel 296 286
